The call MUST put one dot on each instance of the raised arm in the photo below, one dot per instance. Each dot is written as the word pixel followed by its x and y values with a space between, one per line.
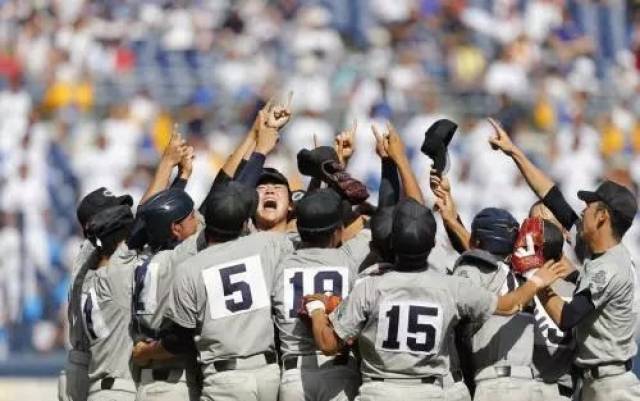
pixel 389 191
pixel 538 181
pixel 396 151
pixel 344 144
pixel 458 235
pixel 272 121
pixel 173 154
pixel 245 147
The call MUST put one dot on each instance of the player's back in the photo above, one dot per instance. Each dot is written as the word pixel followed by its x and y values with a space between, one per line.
pixel 411 317
pixel 228 286
pixel 106 309
pixel 501 340
pixel 308 271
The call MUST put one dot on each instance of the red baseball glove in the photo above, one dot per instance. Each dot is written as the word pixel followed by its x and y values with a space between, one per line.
pixel 528 249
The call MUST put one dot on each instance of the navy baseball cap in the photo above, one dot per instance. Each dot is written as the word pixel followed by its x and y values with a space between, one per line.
pixel 97 201
pixel 436 140
pixel 319 211
pixel 413 233
pixel 228 208
pixel 617 197
pixel 273 176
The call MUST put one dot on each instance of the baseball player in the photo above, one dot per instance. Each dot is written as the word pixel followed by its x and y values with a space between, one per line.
pixel 221 299
pixel 275 207
pixel 171 224
pixel 602 312
pixel 106 305
pixel 319 265
pixel 403 318
pixel 554 349
pixel 73 383
pixel 502 347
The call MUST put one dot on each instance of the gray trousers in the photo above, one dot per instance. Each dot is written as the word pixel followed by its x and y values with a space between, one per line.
pixel 175 388
pixel 386 390
pixel 258 384
pixel 508 389
pixel 622 387
pixel 122 390
pixel 62 386
pixel 73 381
pixel 330 383
pixel 549 392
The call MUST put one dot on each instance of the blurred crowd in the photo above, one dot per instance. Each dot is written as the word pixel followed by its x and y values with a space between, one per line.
pixel 90 93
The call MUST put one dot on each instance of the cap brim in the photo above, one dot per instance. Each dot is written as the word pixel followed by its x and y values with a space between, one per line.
pixel 588 196
pixel 272 178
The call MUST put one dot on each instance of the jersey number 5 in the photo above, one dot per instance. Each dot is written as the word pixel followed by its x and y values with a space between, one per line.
pixel 236 287
pixel 409 327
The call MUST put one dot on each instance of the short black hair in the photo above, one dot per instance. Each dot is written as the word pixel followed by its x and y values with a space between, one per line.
pixel 619 225
pixel 553 241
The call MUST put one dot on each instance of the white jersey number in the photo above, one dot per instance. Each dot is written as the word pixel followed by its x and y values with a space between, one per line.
pixel 312 280
pixel 409 326
pixel 236 287
pixel 145 288
pixel 94 324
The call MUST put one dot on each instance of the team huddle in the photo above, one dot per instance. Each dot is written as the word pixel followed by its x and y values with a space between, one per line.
pixel 264 293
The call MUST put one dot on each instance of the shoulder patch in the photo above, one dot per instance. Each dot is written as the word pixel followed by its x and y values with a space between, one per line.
pixel 462 273
pixel 600 277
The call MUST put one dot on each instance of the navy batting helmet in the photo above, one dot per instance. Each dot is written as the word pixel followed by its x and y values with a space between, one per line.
pixel 160 211
pixel 496 230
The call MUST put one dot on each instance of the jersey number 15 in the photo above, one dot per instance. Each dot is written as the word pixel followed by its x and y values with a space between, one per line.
pixel 413 327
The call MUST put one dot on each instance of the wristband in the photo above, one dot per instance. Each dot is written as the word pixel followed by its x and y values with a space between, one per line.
pixel 537 281
pixel 314 306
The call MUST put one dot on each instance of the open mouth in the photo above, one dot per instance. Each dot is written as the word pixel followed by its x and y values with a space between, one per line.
pixel 270 204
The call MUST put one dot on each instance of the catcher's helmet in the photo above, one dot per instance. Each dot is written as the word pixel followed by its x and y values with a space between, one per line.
pixel 496 230
pixel 160 211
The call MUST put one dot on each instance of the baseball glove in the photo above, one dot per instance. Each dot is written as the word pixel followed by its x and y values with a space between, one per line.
pixel 528 249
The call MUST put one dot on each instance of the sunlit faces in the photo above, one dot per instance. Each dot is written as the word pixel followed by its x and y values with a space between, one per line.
pixel 273 205
pixel 186 227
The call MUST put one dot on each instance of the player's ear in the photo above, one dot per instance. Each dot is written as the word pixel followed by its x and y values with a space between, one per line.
pixel 176 230
pixel 602 216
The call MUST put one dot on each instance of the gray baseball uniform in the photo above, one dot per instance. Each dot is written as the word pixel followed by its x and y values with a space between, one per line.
pixel 224 292
pixel 554 350
pixel 459 390
pixel 604 338
pixel 404 322
pixel 152 282
pixel 73 384
pixel 106 307
pixel 307 374
pixel 502 347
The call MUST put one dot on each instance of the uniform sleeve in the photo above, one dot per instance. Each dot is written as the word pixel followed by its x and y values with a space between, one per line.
pixel 350 316
pixel 473 301
pixel 85 252
pixel 183 301
pixel 601 283
pixel 357 248
pixel 468 272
